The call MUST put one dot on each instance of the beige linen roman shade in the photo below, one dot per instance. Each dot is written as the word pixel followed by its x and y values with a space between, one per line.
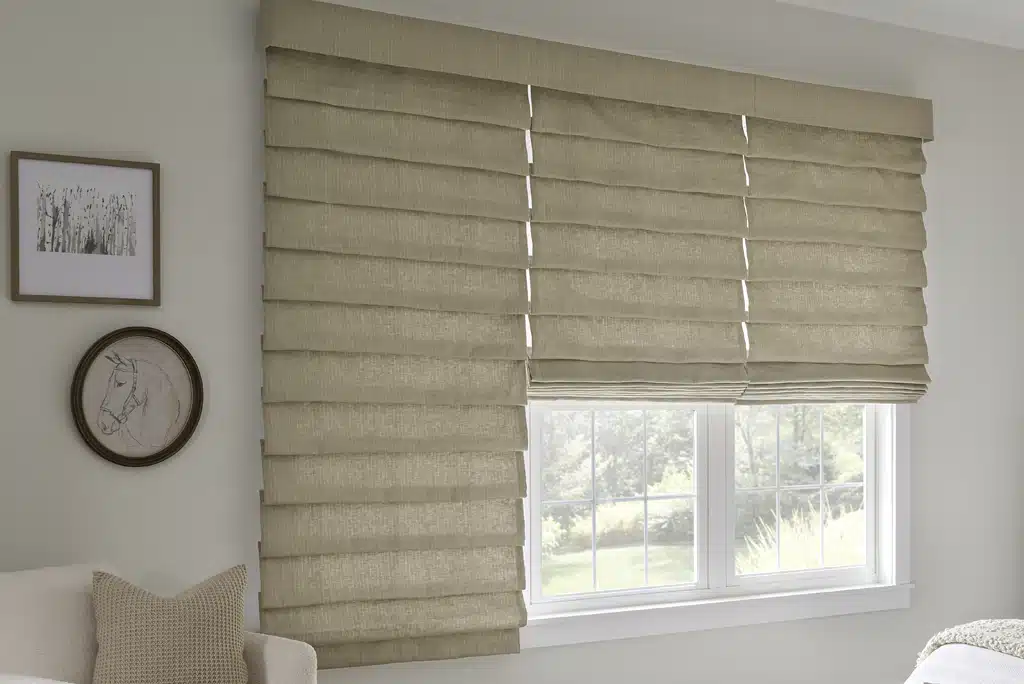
pixel 394 360
pixel 638 226
pixel 398 190
pixel 835 265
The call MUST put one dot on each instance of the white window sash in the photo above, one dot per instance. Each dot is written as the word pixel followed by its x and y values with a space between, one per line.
pixel 886 434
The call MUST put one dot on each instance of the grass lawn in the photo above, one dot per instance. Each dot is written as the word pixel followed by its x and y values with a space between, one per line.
pixel 618 567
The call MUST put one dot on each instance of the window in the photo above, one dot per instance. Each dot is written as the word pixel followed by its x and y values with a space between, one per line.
pixel 636 503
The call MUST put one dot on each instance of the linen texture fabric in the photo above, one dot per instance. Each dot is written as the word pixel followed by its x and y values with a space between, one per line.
pixel 196 637
pixel 394 360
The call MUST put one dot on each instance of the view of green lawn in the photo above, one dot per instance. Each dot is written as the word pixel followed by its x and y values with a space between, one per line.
pixel 618 567
pixel 622 567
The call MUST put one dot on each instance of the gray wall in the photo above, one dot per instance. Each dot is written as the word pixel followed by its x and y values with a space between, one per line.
pixel 178 82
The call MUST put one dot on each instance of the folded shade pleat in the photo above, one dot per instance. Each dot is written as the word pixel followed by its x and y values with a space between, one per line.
pixel 317 529
pixel 393 477
pixel 616 339
pixel 640 166
pixel 358 621
pixel 796 302
pixel 791 221
pixel 828 184
pixel 390 330
pixel 556 111
pixel 337 178
pixel 581 293
pixel 831 263
pixel 846 344
pixel 782 373
pixel 795 142
pixel 373 378
pixel 613 372
pixel 559 201
pixel 623 250
pixel 355 428
pixel 375 232
pixel 388 135
pixel 834 382
pixel 338 278
pixel 312 580
pixel 363 85
pixel 498 642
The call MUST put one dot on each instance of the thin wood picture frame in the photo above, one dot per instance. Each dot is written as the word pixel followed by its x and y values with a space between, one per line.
pixel 129 231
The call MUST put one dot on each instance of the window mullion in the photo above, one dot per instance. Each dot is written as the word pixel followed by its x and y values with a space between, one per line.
pixel 593 502
pixel 647 551
pixel 718 480
pixel 821 482
pixel 778 501
pixel 871 485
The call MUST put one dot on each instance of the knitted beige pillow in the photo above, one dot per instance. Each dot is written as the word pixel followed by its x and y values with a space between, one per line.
pixel 196 637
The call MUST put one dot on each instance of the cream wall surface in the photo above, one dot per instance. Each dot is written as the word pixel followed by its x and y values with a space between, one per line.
pixel 65 69
pixel 177 83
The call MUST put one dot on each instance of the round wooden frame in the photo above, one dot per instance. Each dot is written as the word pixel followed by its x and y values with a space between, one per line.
pixel 78 383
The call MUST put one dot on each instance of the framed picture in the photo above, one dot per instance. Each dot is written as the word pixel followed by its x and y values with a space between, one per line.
pixel 84 230
pixel 137 396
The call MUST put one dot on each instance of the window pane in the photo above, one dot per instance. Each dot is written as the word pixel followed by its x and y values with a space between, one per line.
pixel 670 534
pixel 799 530
pixel 845 527
pixel 619 443
pixel 844 443
pixel 566 561
pixel 799 439
pixel 755 446
pixel 670 436
pixel 563 442
pixel 620 545
pixel 756 548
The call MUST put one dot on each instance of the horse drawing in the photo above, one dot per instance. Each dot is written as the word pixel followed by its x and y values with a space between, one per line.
pixel 140 404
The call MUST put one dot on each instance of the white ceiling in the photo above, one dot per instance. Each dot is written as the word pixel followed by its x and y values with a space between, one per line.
pixel 1000 22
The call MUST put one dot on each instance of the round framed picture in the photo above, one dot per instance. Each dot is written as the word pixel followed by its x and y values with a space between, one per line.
pixel 137 396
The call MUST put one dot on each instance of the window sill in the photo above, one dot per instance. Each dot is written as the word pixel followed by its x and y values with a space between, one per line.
pixel 626 623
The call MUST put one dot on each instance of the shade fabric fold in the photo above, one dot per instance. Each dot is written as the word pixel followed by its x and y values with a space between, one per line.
pixel 358 621
pixel 315 529
pixel 314 326
pixel 297 377
pixel 419 649
pixel 393 477
pixel 375 232
pixel 394 359
pixel 320 277
pixel 390 575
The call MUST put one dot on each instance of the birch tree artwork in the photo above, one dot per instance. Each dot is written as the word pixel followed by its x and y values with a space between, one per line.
pixel 83 220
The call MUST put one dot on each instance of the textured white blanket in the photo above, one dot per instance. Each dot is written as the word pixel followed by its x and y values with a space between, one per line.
pixel 1002 636
pixel 959 664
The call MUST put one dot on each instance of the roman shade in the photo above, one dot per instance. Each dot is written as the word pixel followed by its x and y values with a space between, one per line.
pixel 394 360
pixel 638 266
pixel 670 206
pixel 836 269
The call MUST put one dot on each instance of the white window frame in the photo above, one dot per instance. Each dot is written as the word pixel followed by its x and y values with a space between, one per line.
pixel 719 598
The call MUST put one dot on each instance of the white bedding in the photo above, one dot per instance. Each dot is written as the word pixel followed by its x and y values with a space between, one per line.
pixel 960 664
